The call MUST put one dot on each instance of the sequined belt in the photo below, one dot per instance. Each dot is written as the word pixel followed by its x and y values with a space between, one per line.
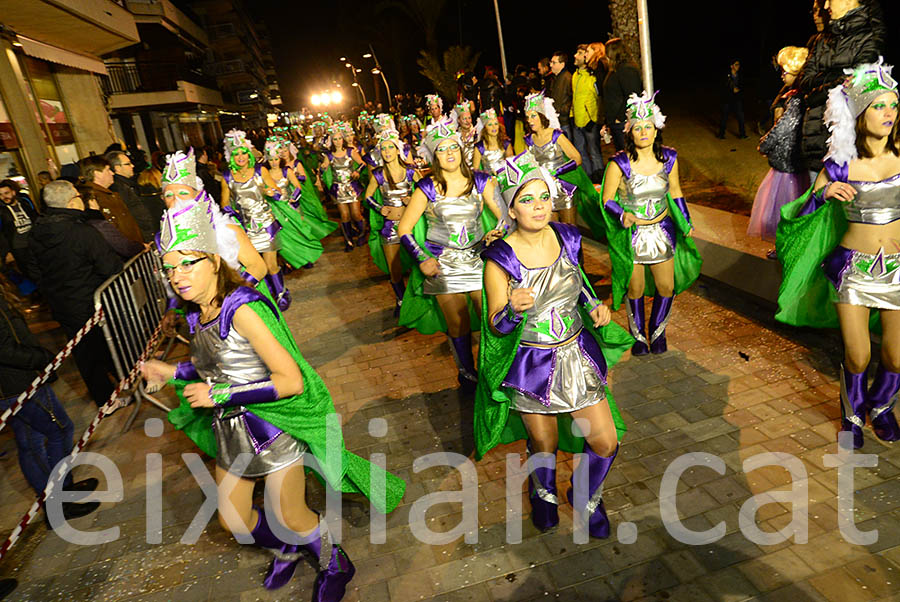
pixel 551 345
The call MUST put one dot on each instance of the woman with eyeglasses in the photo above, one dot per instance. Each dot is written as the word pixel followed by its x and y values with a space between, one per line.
pixel 387 195
pixel 340 176
pixel 447 245
pixel 250 400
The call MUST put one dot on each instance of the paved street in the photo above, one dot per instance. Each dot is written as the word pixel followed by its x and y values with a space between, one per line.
pixel 733 385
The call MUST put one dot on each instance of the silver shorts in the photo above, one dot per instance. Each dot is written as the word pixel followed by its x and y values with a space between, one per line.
pixel 652 244
pixel 870 280
pixel 233 439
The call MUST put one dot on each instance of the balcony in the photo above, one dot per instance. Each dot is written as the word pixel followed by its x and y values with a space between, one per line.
pixel 143 84
pixel 163 12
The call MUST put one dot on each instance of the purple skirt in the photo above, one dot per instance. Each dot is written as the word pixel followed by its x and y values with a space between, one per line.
pixel 776 190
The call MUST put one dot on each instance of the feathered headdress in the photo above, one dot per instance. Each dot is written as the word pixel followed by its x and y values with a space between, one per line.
pixel 643 107
pixel 383 121
pixel 483 119
pixel 543 105
pixel 182 169
pixel 234 140
pixel 390 135
pixel 432 99
pixel 846 102
pixel 518 171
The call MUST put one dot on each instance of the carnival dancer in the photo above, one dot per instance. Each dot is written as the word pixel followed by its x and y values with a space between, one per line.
pixel 446 244
pixel 493 146
pixel 249 399
pixel 462 115
pixel 340 176
pixel 831 242
pixel 414 137
pixel 292 183
pixel 387 196
pixel 248 185
pixel 552 151
pixel 648 225
pixel 788 178
pixel 434 104
pixel 546 344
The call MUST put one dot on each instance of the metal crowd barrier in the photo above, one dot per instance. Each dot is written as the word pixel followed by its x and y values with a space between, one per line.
pixel 133 303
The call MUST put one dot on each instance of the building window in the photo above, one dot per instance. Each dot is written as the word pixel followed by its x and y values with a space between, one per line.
pixel 49 110
pixel 10 159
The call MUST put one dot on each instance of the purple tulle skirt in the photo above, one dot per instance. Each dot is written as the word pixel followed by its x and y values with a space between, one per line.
pixel 776 190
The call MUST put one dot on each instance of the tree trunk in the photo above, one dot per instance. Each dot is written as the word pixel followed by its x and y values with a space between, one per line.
pixel 624 16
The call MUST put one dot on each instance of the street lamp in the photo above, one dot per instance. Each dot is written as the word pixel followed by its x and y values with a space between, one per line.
pixel 379 71
pixel 353 72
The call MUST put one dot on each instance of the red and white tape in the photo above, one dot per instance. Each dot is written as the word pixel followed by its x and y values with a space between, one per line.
pixel 52 367
pixel 82 442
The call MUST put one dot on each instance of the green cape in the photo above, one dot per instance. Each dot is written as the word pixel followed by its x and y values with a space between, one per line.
pixel 587 201
pixel 621 258
pixel 299 244
pixel 420 311
pixel 494 423
pixel 376 250
pixel 304 417
pixel 313 211
pixel 806 296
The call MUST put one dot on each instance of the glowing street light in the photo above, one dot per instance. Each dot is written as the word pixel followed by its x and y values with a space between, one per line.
pixel 367 55
pixel 336 97
pixel 316 100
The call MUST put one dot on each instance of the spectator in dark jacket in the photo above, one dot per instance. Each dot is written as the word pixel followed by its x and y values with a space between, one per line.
pixel 124 247
pixel 17 216
pixel 623 80
pixel 206 172
pixel 732 99
pixel 42 429
pixel 491 91
pixel 98 173
pixel 72 260
pixel 561 91
pixel 125 185
pixel 854 34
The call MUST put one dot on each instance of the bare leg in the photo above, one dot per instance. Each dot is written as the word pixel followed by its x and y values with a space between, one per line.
pixel 854 320
pixel 456 313
pixel 236 513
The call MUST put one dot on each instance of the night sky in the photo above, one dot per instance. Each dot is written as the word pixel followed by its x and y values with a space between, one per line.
pixel 691 46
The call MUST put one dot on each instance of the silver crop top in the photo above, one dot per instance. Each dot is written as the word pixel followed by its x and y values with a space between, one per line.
pixel 875 202
pixel 455 221
pixel 644 196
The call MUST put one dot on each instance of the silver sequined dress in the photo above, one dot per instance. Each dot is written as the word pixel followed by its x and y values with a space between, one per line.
pixel 454 224
pixel 645 197
pixel 253 210
pixel 233 361
pixel 551 157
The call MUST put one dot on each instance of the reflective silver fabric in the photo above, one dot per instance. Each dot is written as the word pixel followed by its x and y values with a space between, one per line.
pixel 455 224
pixel 393 197
pixel 645 196
pixel 343 167
pixel 460 272
pixel 651 244
pixel 493 160
pixel 872 281
pixel 455 221
pixel 875 202
pixel 234 361
pixel 552 157
pixel 468 147
pixel 554 319
pixel 256 215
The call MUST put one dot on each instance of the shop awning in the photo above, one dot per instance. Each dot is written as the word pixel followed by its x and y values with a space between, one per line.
pixel 39 50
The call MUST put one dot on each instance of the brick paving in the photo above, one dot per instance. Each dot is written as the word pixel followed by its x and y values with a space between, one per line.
pixel 734 384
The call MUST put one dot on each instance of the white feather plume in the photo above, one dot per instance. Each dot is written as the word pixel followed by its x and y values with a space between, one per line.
pixel 842 125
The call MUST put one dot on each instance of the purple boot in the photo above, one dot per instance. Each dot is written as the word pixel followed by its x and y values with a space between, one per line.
pixel 598 467
pixel 347 231
pixel 542 493
pixel 880 399
pixel 659 318
pixel 286 555
pixel 637 327
pixel 399 291
pixel 853 404
pixel 465 361
pixel 361 237
pixel 335 568
pixel 279 290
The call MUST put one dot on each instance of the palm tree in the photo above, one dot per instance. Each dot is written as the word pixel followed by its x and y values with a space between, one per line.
pixel 625 25
pixel 456 59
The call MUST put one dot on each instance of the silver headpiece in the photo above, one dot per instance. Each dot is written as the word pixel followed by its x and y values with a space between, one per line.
pixel 182 169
